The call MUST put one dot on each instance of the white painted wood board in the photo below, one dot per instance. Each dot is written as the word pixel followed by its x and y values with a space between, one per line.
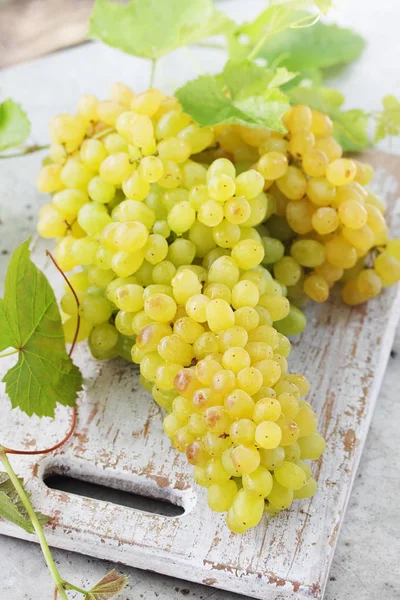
pixel 119 442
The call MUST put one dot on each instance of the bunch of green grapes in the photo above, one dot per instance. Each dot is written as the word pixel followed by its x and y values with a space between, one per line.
pixel 190 251
pixel 332 226
pixel 214 362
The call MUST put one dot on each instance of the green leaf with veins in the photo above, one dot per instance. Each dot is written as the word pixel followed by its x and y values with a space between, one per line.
pixel 243 94
pixel 15 126
pixel 350 127
pixel 30 322
pixel 11 507
pixel 388 121
pixel 110 586
pixel 300 49
pixel 151 29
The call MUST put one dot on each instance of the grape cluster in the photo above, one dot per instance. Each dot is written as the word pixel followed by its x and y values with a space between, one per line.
pixel 219 368
pixel 190 250
pixel 332 227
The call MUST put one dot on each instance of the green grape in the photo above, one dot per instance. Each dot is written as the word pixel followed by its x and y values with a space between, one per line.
pixel 224 381
pixel 312 446
pixel 188 329
pixel 205 344
pixel 165 375
pixel 93 218
pixel 234 524
pixel 172 349
pixel 242 432
pixel 104 337
pixel 307 490
pixel 290 475
pixel 196 425
pixel 239 404
pixel 293 324
pixel 245 293
pixel 181 217
pixel 123 323
pixel 75 175
pixel 150 336
pixel 272 458
pixel 259 482
pixel 160 307
pixel 125 264
pixel 273 250
pixel 268 434
pixel 249 184
pixel 131 210
pixel 224 270
pixel 139 321
pixel 163 272
pixel 181 252
pixel 220 496
pixel 217 419
pixel 95 309
pixel 266 409
pixel 69 202
pixel 287 270
pixel 185 284
pixel 248 254
pixel 247 317
pixel 130 297
pixel 280 497
pixel 182 439
pixel 248 508
pixel 226 234
pixel 266 334
pixel 202 237
pixel 236 210
pixel 210 213
pixel 246 459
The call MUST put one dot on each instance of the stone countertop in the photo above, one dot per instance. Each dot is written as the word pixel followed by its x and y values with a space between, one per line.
pixel 365 565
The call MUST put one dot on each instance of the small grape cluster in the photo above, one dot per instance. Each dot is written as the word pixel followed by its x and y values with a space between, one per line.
pixel 196 248
pixel 333 228
pixel 219 369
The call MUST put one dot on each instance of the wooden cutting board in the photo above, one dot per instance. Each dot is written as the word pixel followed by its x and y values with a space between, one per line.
pixel 119 443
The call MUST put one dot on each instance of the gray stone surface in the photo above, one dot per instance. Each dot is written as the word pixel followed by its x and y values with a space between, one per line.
pixel 365 565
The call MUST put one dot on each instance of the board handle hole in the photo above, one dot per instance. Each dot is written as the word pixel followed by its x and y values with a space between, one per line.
pixel 97 491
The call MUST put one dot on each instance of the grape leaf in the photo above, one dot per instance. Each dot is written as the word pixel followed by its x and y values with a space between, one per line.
pixel 243 94
pixel 317 47
pixel 350 127
pixel 108 587
pixel 150 28
pixel 388 121
pixel 11 507
pixel 15 126
pixel 30 322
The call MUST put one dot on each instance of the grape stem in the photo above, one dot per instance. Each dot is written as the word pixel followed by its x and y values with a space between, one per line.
pixel 78 317
pixel 210 45
pixel 25 150
pixel 9 353
pixel 299 24
pixel 58 581
pixel 153 72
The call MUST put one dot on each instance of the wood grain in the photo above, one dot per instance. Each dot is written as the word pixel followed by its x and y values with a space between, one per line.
pixel 31 28
pixel 119 442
